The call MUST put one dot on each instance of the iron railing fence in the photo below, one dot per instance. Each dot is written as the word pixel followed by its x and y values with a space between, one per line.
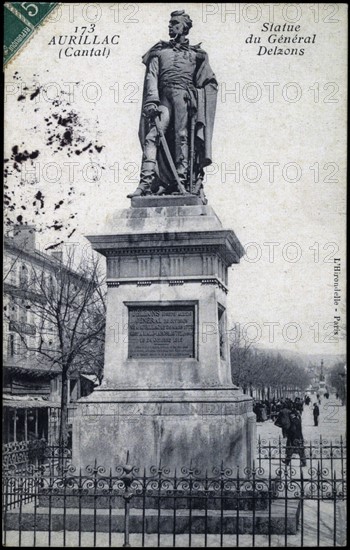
pixel 127 506
pixel 24 453
pixel 15 454
pixel 330 454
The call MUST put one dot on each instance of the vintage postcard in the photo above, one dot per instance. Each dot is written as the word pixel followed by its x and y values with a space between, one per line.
pixel 175 274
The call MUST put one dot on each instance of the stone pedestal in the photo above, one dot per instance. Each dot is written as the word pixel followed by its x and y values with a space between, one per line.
pixel 167 392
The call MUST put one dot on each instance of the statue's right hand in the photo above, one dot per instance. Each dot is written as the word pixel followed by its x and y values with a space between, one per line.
pixel 150 110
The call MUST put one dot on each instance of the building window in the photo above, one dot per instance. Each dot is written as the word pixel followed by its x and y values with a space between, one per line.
pixel 11 345
pixel 12 313
pixel 23 276
pixel 22 314
pixel 12 274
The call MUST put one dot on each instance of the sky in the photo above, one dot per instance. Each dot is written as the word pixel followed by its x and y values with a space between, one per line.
pixel 279 173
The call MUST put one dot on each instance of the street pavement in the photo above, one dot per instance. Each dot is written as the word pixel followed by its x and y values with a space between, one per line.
pixel 331 422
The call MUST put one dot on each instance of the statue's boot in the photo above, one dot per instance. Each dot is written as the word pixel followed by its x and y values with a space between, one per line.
pixel 182 169
pixel 146 179
pixel 137 193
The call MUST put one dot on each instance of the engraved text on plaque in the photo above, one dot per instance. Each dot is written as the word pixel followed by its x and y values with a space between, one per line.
pixel 161 331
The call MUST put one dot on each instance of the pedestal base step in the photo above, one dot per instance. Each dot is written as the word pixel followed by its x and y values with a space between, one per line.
pixel 275 521
pixel 246 500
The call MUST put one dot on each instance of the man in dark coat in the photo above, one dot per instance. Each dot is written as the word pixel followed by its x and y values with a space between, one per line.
pixel 179 86
pixel 295 440
pixel 316 413
pixel 283 420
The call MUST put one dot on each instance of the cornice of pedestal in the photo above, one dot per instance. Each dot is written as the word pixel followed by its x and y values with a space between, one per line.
pixel 221 242
pixel 213 281
pixel 172 229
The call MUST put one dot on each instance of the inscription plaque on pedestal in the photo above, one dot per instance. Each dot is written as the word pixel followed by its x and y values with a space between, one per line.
pixel 161 331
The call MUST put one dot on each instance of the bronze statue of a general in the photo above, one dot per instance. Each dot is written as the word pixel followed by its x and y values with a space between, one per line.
pixel 178 110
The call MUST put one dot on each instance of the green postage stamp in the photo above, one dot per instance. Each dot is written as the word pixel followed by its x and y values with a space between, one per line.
pixel 20 22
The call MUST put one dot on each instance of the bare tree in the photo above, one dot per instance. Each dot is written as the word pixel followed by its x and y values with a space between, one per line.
pixel 241 352
pixel 67 303
pixel 337 379
pixel 263 370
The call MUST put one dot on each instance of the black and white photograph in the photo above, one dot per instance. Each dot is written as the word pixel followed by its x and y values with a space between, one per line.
pixel 174 281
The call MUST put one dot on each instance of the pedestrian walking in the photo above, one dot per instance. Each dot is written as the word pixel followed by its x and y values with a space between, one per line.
pixel 273 411
pixel 295 439
pixel 316 413
pixel 282 420
pixel 257 411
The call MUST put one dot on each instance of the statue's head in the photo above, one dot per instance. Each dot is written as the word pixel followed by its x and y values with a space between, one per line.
pixel 179 24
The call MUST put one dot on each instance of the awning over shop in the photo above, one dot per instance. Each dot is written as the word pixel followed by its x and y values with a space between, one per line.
pixel 27 402
pixel 91 377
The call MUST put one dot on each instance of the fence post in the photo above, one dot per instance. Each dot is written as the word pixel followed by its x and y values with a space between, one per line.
pixel 5 484
pixel 342 463
pixel 321 460
pixel 334 508
pixel 206 486
pixel 238 505
pixel 318 502
pixel 144 487
pixel 270 497
pixel 331 455
pixel 127 479
pixel 127 497
pixel 285 505
pixel 302 507
pixel 253 502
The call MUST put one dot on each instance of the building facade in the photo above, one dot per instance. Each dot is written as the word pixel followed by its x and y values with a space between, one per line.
pixel 31 384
